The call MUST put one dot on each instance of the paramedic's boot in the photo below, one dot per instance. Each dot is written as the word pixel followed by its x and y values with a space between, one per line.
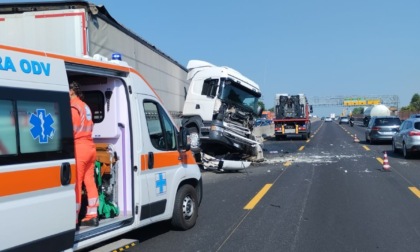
pixel 93 222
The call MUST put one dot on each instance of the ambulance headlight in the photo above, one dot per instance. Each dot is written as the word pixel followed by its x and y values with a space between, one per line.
pixel 116 56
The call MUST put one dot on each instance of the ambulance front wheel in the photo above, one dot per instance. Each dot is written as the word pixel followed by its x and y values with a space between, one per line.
pixel 186 208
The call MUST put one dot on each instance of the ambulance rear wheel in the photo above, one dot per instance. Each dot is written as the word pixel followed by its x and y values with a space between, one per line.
pixel 186 208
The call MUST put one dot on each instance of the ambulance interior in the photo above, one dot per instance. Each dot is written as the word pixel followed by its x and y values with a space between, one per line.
pixel 107 99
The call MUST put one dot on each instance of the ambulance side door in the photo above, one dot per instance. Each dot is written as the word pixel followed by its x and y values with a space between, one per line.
pixel 160 160
pixel 37 170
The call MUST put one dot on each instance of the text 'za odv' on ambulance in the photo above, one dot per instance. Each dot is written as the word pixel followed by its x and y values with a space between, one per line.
pixel 146 170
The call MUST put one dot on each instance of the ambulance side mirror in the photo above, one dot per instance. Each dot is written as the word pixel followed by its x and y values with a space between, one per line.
pixel 184 139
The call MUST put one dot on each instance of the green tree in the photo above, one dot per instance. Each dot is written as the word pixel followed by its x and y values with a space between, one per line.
pixel 414 105
pixel 261 103
pixel 357 111
pixel 407 108
pixel 415 102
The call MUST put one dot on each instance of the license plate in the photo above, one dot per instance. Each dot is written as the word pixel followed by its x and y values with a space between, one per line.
pixel 289 131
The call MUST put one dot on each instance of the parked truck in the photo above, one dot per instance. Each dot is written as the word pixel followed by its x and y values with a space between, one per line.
pixel 292 116
pixel 80 28
pixel 219 112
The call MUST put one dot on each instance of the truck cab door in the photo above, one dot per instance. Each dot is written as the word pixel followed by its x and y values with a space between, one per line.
pixel 161 161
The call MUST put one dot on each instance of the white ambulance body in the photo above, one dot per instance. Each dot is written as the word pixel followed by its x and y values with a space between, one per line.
pixel 151 175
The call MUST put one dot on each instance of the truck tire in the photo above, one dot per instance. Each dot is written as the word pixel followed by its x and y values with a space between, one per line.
pixel 195 139
pixel 185 208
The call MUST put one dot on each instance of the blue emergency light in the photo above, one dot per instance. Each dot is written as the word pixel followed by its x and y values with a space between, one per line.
pixel 116 56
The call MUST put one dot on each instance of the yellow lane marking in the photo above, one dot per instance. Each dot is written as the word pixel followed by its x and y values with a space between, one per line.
pixel 301 148
pixel 415 191
pixel 288 163
pixel 380 160
pixel 366 148
pixel 258 197
pixel 308 141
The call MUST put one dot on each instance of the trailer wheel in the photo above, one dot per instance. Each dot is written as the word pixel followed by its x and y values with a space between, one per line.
pixel 186 208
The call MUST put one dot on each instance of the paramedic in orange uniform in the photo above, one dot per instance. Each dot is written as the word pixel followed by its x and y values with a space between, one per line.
pixel 85 152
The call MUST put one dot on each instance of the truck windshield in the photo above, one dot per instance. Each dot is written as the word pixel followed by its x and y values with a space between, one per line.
pixel 233 92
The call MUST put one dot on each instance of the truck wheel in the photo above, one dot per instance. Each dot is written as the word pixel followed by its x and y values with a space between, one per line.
pixel 195 139
pixel 185 208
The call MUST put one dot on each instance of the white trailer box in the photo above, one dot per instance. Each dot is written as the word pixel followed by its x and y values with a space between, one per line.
pixel 78 28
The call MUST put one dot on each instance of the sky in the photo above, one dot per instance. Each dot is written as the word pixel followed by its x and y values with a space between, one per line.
pixel 321 48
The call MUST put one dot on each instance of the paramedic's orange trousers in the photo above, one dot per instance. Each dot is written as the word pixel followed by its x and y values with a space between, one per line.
pixel 85 165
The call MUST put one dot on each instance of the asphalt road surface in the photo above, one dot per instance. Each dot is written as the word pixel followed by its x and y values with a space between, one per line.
pixel 329 193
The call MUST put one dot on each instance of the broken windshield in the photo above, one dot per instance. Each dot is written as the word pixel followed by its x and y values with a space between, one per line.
pixel 234 92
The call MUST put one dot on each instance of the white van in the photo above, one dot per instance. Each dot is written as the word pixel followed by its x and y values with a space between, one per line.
pixel 147 171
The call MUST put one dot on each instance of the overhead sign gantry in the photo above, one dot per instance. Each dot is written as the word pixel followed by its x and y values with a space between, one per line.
pixel 355 100
pixel 360 101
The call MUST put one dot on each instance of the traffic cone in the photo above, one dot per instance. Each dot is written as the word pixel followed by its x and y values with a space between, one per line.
pixel 356 140
pixel 386 165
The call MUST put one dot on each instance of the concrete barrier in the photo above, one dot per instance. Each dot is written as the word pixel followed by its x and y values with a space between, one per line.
pixel 261 132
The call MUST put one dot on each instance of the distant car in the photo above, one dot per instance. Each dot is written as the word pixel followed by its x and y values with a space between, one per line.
pixel 343 119
pixel 328 119
pixel 323 118
pixel 407 137
pixel 262 122
pixel 382 128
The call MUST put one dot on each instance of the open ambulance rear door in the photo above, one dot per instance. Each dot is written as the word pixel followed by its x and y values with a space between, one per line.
pixel 37 166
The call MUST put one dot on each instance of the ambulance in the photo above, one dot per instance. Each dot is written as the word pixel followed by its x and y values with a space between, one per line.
pixel 145 170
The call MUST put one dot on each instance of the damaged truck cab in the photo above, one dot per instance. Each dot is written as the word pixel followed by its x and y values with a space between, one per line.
pixel 219 112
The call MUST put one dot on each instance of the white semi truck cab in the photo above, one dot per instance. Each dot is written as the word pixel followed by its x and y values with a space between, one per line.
pixel 220 110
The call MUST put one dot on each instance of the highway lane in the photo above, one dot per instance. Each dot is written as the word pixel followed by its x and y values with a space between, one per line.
pixel 325 194
pixel 408 169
